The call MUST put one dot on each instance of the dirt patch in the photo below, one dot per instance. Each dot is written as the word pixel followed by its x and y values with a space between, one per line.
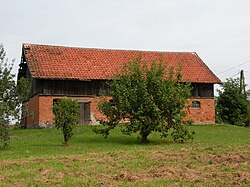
pixel 186 174
pixel 229 158
pixel 14 163
pixel 46 172
pixel 165 172
pixel 211 166
pixel 63 159
pixel 169 157
pixel 3 178
pixel 219 169
pixel 23 162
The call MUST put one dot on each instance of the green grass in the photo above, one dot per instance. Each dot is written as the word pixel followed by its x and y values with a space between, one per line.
pixel 218 156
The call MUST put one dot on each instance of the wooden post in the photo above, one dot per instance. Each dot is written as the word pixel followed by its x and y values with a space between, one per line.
pixel 242 84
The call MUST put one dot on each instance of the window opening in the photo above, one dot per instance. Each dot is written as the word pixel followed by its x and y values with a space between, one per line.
pixel 196 104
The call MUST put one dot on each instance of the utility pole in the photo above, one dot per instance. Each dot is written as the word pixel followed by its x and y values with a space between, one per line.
pixel 242 84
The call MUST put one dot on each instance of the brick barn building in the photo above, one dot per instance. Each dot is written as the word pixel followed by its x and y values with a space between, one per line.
pixel 81 73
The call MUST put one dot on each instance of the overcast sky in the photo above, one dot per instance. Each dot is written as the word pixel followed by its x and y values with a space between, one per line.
pixel 218 30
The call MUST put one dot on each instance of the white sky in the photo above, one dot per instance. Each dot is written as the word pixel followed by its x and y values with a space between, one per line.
pixel 218 30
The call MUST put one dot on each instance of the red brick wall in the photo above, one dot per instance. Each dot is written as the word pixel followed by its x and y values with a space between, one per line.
pixel 40 110
pixel 32 112
pixel 45 109
pixel 205 114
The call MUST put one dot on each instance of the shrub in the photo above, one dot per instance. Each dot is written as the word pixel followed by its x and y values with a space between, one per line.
pixel 67 115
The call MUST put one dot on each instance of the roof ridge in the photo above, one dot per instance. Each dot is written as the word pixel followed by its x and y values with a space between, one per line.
pixel 111 49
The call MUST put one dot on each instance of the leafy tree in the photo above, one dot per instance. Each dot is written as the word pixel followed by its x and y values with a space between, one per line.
pixel 232 106
pixel 22 92
pixel 11 96
pixel 149 99
pixel 7 96
pixel 67 115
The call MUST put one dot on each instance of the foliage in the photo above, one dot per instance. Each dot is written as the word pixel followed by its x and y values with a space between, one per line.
pixel 4 133
pixel 7 96
pixel 11 96
pixel 67 115
pixel 149 98
pixel 22 91
pixel 232 106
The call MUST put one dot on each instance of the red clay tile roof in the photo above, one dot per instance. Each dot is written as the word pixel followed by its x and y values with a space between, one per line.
pixel 57 62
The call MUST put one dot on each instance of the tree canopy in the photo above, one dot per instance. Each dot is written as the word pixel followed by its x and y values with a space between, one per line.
pixel 232 106
pixel 7 95
pixel 147 99
pixel 11 95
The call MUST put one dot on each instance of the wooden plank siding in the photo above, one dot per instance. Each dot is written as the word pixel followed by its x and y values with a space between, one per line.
pixel 69 87
pixel 202 90
pixel 97 87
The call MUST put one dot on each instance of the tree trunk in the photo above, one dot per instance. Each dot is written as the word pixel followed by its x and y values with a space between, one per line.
pixel 144 137
pixel 66 139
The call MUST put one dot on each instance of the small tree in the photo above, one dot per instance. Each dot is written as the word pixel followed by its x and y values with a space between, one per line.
pixel 11 96
pixel 149 98
pixel 7 96
pixel 232 106
pixel 67 115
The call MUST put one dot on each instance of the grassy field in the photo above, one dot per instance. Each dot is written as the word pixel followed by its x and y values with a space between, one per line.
pixel 218 156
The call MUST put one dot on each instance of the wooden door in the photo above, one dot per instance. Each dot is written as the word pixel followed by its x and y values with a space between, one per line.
pixel 84 112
